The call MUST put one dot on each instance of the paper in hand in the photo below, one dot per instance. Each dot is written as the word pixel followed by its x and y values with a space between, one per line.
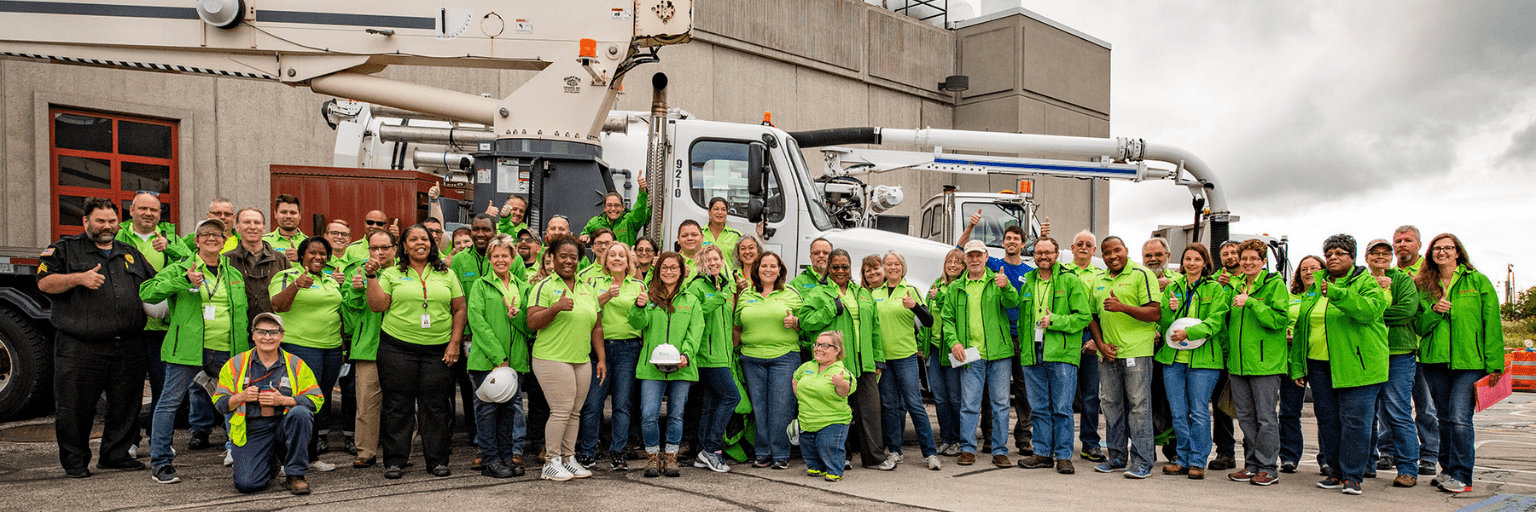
pixel 971 355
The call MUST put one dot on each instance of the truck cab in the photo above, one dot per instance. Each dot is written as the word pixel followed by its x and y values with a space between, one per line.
pixel 945 216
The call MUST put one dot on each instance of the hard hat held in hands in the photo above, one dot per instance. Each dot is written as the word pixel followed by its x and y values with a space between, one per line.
pixel 666 358
pixel 499 386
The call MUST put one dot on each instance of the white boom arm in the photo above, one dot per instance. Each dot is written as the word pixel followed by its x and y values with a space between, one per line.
pixel 582 48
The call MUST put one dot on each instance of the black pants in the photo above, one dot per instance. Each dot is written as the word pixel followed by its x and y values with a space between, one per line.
pixel 83 370
pixel 460 370
pixel 346 416
pixel 156 369
pixel 1222 433
pixel 418 393
pixel 538 414
pixel 866 437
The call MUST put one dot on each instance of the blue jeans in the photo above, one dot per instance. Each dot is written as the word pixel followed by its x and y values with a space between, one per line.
pixel 178 377
pixel 1455 397
pixel 494 433
pixel 1399 437
pixel 1125 391
pixel 823 449
pixel 1291 399
pixel 622 356
pixel 253 461
pixel 944 382
pixel 1344 417
pixel 1051 387
pixel 1087 400
pixel 720 400
pixel 773 402
pixel 901 395
pixel 1427 418
pixel 650 411
pixel 1189 398
pixel 326 365
pixel 991 376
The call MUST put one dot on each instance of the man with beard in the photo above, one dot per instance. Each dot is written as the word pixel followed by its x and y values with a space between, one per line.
pixel 285 239
pixel 93 281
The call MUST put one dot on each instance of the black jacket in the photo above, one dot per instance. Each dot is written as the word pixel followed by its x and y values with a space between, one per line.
pixel 114 309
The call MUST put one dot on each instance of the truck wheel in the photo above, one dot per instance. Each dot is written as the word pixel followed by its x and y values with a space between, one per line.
pixel 26 367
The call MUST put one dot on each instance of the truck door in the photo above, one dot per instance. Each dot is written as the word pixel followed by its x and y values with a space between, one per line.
pixel 709 160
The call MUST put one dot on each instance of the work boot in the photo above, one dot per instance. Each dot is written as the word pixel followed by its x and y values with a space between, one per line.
pixel 1223 462
pixel 1036 461
pixel 297 485
pixel 1404 481
pixel 669 465
pixel 199 440
pixel 652 465
pixel 1064 466
pixel 1001 461
pixel 966 459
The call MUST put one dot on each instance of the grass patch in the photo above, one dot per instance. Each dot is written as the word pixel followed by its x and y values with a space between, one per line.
pixel 1516 332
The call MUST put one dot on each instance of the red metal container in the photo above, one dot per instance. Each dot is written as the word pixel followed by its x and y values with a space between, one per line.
pixel 327 193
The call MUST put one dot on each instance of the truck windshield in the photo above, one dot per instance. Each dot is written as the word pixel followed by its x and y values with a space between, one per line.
pixel 819 216
pixel 995 219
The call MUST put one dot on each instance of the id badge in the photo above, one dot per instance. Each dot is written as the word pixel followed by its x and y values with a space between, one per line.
pixel 208 312
pixel 1039 334
pixel 346 369
pixel 426 321
pixel 1130 362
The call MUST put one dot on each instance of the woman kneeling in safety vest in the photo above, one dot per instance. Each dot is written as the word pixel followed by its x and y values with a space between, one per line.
pixel 271 397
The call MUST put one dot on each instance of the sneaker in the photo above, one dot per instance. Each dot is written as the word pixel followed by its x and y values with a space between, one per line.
pixel 393 472
pixel 848 465
pixel 1452 485
pixel 495 469
pixel 321 466
pixel 1036 462
pixel 1330 483
pixel 711 461
pixel 1426 468
pixel 784 464
pixel 890 465
pixel 1222 463
pixel 555 470
pixel 1109 467
pixel 894 457
pixel 813 473
pixel 297 485
pixel 229 459
pixel 133 451
pixel 1352 488
pixel 933 462
pixel 1241 476
pixel 165 475
pixel 1287 467
pixel 577 469
pixel 1325 470
pixel 441 470
pixel 1001 461
pixel 1404 481
pixel 1435 482
pixel 586 461
pixel 616 462
pixel 1264 478
pixel 125 465
pixel 761 463
pixel 322 446
pixel 832 478
pixel 966 459
pixel 77 472
pixel 1139 472
pixel 1175 469
pixel 1385 464
pixel 1197 473
pixel 1092 453
pixel 199 441
pixel 953 450
pixel 1370 473
pixel 653 465
pixel 1064 466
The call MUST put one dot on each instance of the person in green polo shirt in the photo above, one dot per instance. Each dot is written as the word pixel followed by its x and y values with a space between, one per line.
pixel 285 239
pixel 1126 305
pixel 1084 245
pixel 498 322
pixel 422 331
pixel 472 264
pixel 719 234
pixel 975 316
pixel 365 325
pixel 310 303
pixel 901 310
pixel 601 240
pixel 565 313
pixel 768 331
pixel 822 387
pixel 625 225
pixel 813 276
pixel 622 348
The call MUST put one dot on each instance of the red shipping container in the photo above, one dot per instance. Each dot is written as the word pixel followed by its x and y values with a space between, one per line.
pixel 327 193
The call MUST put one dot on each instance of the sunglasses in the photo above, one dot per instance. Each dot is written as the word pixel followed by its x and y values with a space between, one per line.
pixel 374 222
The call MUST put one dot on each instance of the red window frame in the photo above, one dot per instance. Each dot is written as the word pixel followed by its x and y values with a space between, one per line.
pixel 113 191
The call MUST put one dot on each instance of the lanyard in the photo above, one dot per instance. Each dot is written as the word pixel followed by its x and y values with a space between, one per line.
pixel 423 278
pixel 213 289
pixel 1043 298
pixel 1189 297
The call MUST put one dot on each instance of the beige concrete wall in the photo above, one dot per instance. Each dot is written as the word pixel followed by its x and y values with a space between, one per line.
pixel 813 63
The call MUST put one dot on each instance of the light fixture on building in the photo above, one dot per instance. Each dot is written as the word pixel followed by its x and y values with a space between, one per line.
pixel 955 83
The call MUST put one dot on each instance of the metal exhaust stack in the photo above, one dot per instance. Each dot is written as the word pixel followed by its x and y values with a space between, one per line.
pixel 656 156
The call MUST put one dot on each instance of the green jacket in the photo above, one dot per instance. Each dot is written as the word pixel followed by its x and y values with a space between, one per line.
pixel 819 313
pixel 175 247
pixel 1070 314
pixel 302 386
pixel 496 338
pixel 1401 312
pixel 995 301
pixel 509 228
pixel 627 227
pixel 184 337
pixel 1470 337
pixel 469 266
pixel 716 309
pixel 803 284
pixel 932 337
pixel 1209 303
pixel 1357 336
pixel 361 321
pixel 683 328
pixel 1257 330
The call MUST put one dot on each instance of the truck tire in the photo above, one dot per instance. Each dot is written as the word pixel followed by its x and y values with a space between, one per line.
pixel 26 365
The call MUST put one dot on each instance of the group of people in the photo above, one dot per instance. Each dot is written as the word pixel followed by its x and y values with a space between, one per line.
pixel 254 329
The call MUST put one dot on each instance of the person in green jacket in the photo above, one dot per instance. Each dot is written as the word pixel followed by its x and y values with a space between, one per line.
pixel 159 244
pixel 768 331
pixel 1190 375
pixel 1394 410
pixel 602 239
pixel 499 324
pixel 625 225
pixel 512 215
pixel 715 294
pixel 976 317
pixel 365 325
pixel 822 387
pixel 207 317
pixel 902 311
pixel 841 305
pixel 1053 311
pixel 813 276
pixel 1293 396
pixel 1463 341
pixel 1344 358
pixel 271 397
pixel 310 304
pixel 671 325
pixel 943 380
pixel 1257 360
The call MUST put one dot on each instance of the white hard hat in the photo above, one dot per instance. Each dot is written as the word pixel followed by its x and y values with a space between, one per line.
pixel 794 432
pixel 1182 323
pixel 666 357
pixel 157 310
pixel 499 386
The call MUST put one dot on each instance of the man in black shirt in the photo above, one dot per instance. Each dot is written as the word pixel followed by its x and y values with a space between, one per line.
pixel 93 281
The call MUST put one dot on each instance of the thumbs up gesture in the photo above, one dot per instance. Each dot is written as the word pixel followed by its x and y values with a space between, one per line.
pixel 907 302
pixel 195 277
pixel 359 282
pixel 976 217
pixel 92 278
pixel 304 280
pixel 1001 279
pixel 1045 227
pixel 642 299
pixel 394 228
pixel 790 322
pixel 159 243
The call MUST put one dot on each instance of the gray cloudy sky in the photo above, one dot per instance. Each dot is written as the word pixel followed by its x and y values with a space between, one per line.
pixel 1324 117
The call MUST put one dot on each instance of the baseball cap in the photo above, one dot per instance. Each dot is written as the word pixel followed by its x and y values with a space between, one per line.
pixel 1377 242
pixel 975 246
pixel 211 222
pixel 267 316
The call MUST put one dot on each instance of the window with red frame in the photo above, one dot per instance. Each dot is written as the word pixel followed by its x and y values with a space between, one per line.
pixel 92 154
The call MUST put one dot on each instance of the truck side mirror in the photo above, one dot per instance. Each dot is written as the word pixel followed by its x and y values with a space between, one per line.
pixel 757 156
pixel 755 210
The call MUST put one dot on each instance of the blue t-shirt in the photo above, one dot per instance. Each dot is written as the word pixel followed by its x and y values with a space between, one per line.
pixel 1015 275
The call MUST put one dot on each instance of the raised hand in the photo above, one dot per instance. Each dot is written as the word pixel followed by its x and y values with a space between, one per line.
pixel 790 321
pixel 1113 304
pixel 340 278
pixel 1001 279
pixel 160 242
pixel 564 304
pixel 1173 303
pixel 194 277
pixel 1240 300
pixel 976 217
pixel 359 282
pixel 907 302
pixel 641 300
pixel 305 280
pixel 92 278
pixel 435 192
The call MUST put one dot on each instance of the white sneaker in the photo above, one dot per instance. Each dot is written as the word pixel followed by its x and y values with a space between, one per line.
pixel 933 462
pixel 712 461
pixel 133 451
pixel 555 470
pixel 229 458
pixel 282 471
pixel 321 466
pixel 894 458
pixel 574 467
pixel 888 465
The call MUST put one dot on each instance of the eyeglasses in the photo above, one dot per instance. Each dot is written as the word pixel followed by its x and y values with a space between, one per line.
pixel 1379 253
pixel 374 222
pixel 150 192
pixel 827 346
pixel 210 235
pixel 670 268
pixel 380 247
pixel 267 332
pixel 339 233
pixel 1445 248
pixel 646 250
pixel 840 267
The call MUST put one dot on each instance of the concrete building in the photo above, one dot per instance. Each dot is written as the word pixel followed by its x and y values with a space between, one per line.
pixel 812 63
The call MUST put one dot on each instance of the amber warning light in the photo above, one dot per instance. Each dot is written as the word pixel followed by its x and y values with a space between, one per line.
pixel 589 48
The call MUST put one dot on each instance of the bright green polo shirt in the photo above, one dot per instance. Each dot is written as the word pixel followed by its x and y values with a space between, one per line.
pixel 817 396
pixel 763 335
pixel 215 292
pixel 977 330
pixel 283 244
pixel 1317 335
pixel 406 289
pixel 314 320
pixel 850 298
pixel 897 330
pixel 1134 286
pixel 156 260
pixel 568 338
pixel 616 311
pixel 727 241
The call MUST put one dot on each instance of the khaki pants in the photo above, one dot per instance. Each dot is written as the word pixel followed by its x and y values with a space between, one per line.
pixel 565 388
pixel 369 400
